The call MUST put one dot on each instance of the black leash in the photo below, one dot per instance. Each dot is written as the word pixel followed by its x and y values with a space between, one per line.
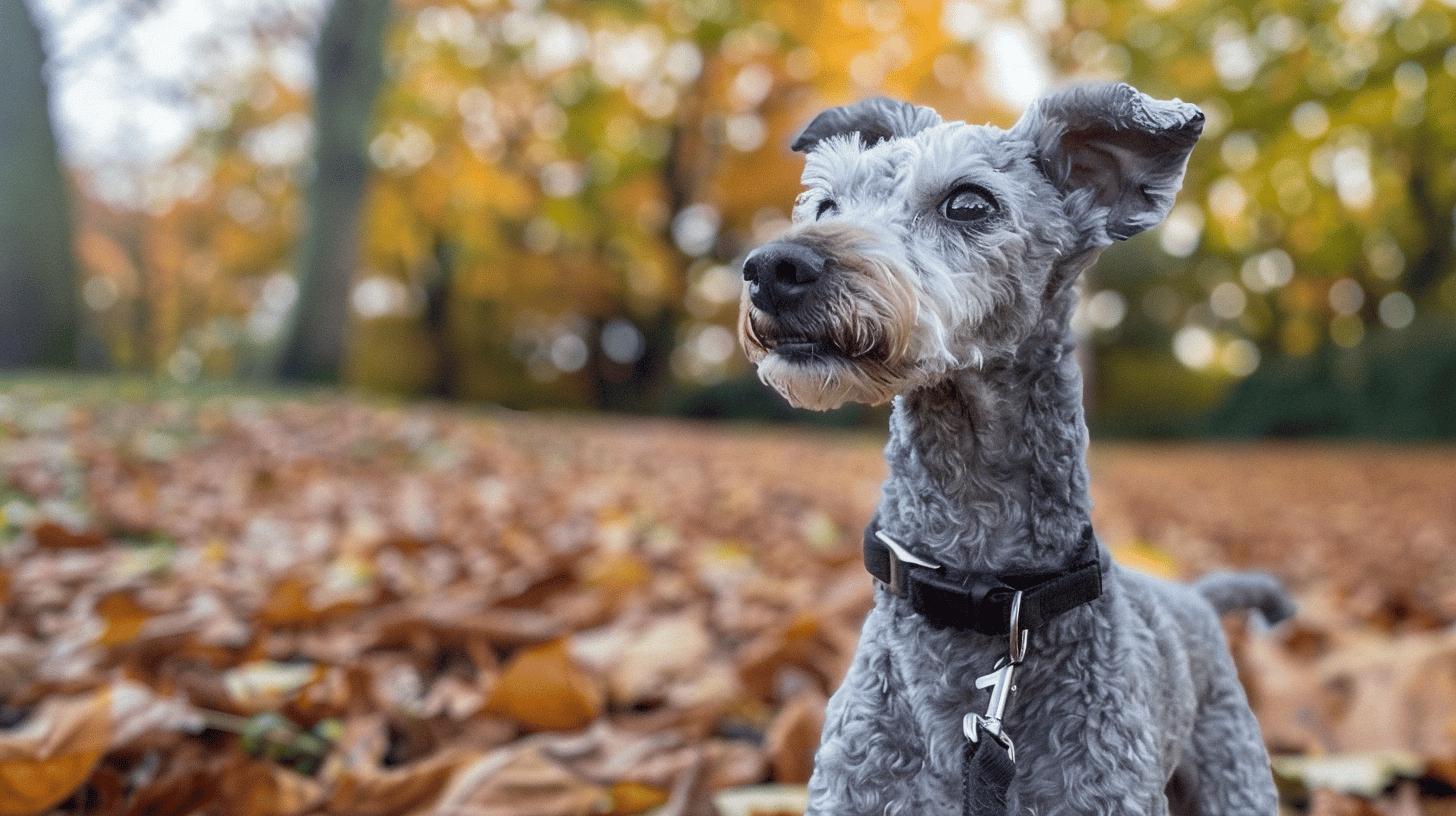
pixel 991 604
pixel 986 774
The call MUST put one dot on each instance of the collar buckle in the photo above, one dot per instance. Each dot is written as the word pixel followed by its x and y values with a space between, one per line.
pixel 899 556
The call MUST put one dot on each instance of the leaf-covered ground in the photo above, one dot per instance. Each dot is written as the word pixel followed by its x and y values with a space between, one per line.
pixel 235 605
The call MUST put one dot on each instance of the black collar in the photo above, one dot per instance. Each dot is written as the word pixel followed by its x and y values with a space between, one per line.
pixel 981 601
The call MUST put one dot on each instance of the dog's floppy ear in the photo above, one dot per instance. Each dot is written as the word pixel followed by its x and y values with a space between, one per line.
pixel 875 120
pixel 1126 150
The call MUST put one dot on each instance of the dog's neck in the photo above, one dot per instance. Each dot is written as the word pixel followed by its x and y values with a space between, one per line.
pixel 988 468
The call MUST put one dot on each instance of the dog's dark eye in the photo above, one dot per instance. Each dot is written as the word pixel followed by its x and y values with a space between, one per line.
pixel 825 207
pixel 968 203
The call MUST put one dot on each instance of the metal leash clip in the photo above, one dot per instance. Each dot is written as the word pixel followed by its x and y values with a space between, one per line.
pixel 1002 682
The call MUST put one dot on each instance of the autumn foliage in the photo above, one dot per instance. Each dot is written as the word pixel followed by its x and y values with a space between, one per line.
pixel 557 194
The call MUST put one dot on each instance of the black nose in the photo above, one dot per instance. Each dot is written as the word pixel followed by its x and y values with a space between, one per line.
pixel 780 274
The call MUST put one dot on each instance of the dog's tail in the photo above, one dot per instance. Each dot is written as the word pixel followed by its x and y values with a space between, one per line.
pixel 1231 591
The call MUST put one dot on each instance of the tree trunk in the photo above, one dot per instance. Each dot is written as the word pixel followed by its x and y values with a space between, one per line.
pixel 350 67
pixel 439 285
pixel 38 316
pixel 1433 260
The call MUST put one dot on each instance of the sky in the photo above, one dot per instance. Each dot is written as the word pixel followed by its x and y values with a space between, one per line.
pixel 124 72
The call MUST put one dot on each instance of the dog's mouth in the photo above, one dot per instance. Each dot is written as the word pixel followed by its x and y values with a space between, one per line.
pixel 802 348
pixel 812 339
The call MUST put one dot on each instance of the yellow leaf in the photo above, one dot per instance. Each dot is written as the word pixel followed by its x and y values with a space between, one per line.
pixel 821 532
pixel 630 798
pixel 616 574
pixel 289 604
pixel 214 552
pixel 123 616
pixel 1145 557
pixel 45 760
pixel 542 689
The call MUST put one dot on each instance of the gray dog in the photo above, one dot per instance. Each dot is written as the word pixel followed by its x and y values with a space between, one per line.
pixel 934 263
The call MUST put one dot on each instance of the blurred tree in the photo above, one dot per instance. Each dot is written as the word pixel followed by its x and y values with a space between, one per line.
pixel 38 316
pixel 557 191
pixel 1319 210
pixel 349 69
pixel 591 171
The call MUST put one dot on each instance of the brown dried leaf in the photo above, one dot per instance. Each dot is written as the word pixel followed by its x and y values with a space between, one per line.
pixel 515 782
pixel 53 535
pixel 373 791
pixel 288 604
pixel 253 788
pixel 794 736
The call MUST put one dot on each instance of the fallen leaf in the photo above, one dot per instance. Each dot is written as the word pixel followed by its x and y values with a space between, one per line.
pixel 188 787
pixel 53 535
pixel 763 800
pixel 793 737
pixel 255 788
pixel 372 791
pixel 51 754
pixel 138 711
pixel 1369 693
pixel 630 798
pixel 518 782
pixel 1363 774
pixel 123 617
pixel 544 690
pixel 615 574
pixel 804 642
pixel 264 685
pixel 705 581
pixel 653 658
pixel 288 604
pixel 1147 558
pixel 452 697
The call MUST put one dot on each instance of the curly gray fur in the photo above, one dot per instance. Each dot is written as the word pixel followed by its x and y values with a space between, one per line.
pixel 1128 705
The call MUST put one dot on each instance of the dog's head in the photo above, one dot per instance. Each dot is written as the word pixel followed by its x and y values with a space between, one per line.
pixel 921 247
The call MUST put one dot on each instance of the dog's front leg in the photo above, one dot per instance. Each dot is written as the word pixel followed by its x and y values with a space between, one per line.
pixel 1114 771
pixel 871 754
pixel 1090 723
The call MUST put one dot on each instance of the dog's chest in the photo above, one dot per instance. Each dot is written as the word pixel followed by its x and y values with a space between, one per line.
pixel 937 670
